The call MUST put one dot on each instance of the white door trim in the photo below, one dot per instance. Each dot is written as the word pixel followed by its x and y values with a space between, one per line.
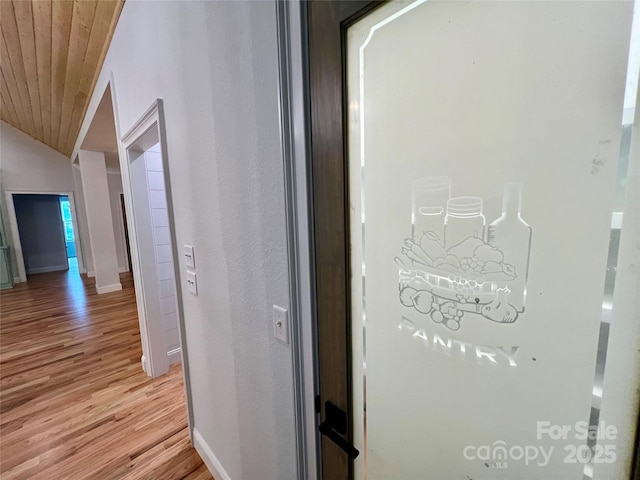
pixel 154 348
pixel 15 234
pixel 294 136
pixel 153 365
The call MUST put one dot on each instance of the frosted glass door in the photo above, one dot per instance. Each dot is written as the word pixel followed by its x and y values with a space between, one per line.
pixel 484 145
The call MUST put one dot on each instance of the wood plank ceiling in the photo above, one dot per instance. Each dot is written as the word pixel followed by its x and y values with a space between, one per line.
pixel 51 54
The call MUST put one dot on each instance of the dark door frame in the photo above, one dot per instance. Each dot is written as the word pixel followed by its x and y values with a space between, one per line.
pixel 126 231
pixel 327 22
pixel 327 25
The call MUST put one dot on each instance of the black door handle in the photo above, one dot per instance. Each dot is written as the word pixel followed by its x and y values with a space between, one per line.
pixel 334 426
pixel 336 438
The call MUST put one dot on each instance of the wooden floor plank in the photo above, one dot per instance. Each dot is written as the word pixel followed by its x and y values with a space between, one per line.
pixel 74 401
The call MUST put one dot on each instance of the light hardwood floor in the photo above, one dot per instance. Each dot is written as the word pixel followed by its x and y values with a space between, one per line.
pixel 74 401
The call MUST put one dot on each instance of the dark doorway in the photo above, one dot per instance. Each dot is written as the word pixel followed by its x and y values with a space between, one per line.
pixel 46 247
pixel 126 231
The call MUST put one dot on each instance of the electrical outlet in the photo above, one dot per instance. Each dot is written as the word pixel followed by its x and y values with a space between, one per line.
pixel 192 283
pixel 281 324
pixel 189 256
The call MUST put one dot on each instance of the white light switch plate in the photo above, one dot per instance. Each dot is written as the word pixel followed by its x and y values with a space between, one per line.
pixel 192 283
pixel 281 324
pixel 189 257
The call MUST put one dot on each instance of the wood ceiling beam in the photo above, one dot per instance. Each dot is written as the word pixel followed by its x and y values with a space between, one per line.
pixel 42 30
pixel 61 15
pixel 9 85
pixel 24 23
pixel 7 111
pixel 81 23
pixel 14 55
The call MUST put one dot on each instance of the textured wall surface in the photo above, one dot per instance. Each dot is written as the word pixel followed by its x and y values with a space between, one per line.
pixel 30 165
pixel 115 189
pixel 215 65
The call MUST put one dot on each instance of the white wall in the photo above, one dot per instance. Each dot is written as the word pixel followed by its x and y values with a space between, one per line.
pixel 29 165
pixel 98 207
pixel 151 303
pixel 156 256
pixel 114 182
pixel 83 225
pixel 215 65
pixel 162 249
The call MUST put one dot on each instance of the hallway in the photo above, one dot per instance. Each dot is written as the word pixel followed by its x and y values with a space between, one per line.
pixel 74 401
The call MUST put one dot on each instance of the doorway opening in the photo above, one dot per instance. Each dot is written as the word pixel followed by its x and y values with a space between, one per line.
pixel 149 199
pixel 148 246
pixel 43 227
pixel 153 247
pixel 69 234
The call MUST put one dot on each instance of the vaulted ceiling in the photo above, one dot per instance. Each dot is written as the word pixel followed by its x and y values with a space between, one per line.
pixel 51 53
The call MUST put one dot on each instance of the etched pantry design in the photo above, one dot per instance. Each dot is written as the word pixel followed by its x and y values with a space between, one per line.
pixel 455 265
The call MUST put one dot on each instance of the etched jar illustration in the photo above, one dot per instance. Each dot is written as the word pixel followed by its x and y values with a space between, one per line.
pixel 448 269
pixel 429 197
pixel 464 219
pixel 512 235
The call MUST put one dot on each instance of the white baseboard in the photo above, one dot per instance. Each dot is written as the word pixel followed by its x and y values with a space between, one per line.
pixel 55 268
pixel 143 360
pixel 175 355
pixel 210 460
pixel 109 288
